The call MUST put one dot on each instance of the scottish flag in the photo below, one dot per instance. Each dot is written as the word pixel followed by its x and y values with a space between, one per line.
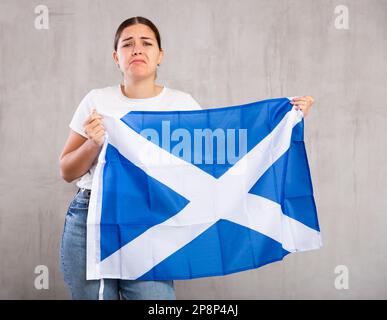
pixel 189 194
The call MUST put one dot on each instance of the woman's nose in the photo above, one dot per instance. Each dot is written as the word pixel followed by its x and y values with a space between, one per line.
pixel 137 49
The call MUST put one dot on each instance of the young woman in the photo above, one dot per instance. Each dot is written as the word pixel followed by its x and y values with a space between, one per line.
pixel 137 53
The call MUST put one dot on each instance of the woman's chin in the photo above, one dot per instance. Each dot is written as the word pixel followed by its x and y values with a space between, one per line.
pixel 139 75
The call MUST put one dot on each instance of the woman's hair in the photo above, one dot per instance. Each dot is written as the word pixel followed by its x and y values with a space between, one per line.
pixel 136 20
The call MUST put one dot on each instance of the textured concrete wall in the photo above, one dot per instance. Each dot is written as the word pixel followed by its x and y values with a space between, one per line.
pixel 223 53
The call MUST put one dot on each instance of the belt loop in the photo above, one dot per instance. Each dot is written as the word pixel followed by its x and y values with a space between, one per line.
pixel 85 192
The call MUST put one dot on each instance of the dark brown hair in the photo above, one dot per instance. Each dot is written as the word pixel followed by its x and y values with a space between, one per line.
pixel 136 20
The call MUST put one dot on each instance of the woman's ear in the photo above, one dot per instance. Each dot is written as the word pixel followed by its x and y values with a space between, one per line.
pixel 161 57
pixel 115 57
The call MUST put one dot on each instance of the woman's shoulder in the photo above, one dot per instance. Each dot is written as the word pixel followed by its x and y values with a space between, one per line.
pixel 106 89
pixel 94 92
pixel 182 98
pixel 181 93
pixel 177 92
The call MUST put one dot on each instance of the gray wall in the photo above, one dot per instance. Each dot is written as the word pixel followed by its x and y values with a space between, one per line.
pixel 223 53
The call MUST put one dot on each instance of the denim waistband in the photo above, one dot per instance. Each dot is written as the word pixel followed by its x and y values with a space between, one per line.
pixel 84 192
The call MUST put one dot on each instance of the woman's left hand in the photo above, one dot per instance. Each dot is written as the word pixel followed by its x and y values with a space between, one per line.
pixel 303 103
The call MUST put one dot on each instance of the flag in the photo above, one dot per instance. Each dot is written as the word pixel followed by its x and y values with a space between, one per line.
pixel 189 194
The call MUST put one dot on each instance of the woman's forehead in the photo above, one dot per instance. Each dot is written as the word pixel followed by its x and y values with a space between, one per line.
pixel 137 31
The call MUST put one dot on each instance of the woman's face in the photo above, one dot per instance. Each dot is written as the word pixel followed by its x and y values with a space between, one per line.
pixel 138 42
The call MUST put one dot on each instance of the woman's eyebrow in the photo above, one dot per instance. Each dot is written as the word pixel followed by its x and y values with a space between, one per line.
pixel 146 38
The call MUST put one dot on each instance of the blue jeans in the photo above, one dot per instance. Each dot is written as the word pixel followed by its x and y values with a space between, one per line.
pixel 73 264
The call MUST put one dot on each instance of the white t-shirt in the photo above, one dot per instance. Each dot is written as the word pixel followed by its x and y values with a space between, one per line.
pixel 111 100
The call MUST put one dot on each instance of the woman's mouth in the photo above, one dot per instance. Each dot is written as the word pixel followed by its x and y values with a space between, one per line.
pixel 137 61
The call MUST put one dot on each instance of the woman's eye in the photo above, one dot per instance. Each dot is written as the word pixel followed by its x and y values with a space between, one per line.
pixel 129 44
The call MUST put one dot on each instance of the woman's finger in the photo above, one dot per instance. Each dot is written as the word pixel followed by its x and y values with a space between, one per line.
pixel 298 98
pixel 300 104
pixel 100 139
pixel 94 134
pixel 91 128
pixel 95 122
pixel 94 129
pixel 91 118
pixel 304 98
pixel 99 132
pixel 93 115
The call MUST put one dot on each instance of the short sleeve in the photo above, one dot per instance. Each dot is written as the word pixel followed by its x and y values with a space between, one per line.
pixel 81 113
pixel 192 102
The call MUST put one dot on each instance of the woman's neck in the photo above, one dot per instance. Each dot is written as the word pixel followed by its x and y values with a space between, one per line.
pixel 141 89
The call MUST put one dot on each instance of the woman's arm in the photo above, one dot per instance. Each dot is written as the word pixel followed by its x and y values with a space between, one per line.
pixel 77 156
pixel 79 152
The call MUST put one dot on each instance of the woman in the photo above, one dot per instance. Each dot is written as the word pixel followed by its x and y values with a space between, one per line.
pixel 137 53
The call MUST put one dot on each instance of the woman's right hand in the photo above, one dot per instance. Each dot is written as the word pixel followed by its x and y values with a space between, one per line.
pixel 94 128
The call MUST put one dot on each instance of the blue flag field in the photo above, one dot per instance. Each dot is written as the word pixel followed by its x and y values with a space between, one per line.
pixel 189 194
